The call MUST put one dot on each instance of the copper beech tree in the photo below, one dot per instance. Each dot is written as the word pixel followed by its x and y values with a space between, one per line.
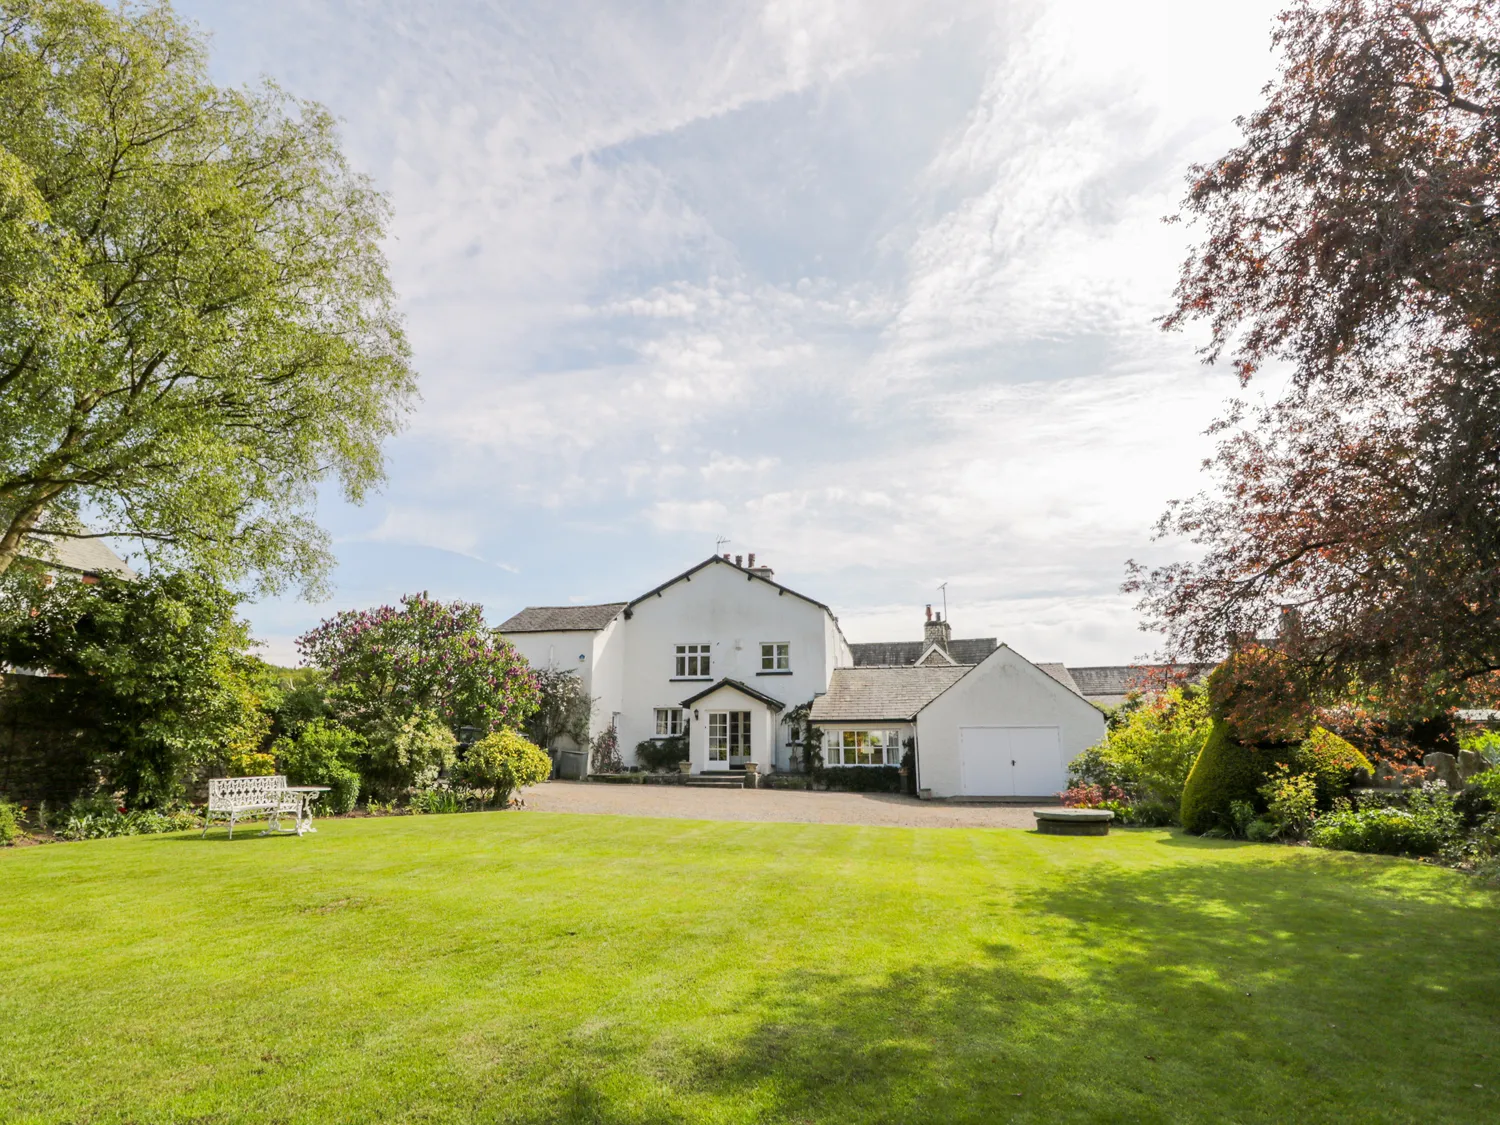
pixel 1354 236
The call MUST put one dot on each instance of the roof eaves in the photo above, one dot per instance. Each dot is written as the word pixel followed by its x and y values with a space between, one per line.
pixel 687 575
pixel 743 689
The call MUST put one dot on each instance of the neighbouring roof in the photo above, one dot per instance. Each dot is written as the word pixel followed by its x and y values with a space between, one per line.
pixel 562 618
pixel 743 689
pixel 970 651
pixel 891 694
pixel 1122 679
pixel 86 556
pixel 1060 674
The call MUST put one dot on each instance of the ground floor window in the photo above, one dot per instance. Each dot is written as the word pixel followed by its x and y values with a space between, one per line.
pixel 668 722
pixel 728 735
pixel 865 748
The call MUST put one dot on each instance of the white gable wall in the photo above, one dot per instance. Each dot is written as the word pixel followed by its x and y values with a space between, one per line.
pixel 1007 692
pixel 724 606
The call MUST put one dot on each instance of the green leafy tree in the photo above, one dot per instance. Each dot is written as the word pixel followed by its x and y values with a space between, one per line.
pixel 385 665
pixel 196 326
pixel 506 761
pixel 155 669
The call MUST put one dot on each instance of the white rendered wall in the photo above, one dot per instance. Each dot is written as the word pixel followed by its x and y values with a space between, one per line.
pixel 724 606
pixel 1004 690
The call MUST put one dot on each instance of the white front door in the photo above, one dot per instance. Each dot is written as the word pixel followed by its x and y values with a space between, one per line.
pixel 1010 762
pixel 728 739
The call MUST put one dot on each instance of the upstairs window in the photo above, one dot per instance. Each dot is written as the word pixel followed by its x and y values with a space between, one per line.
pixel 692 661
pixel 775 656
pixel 668 722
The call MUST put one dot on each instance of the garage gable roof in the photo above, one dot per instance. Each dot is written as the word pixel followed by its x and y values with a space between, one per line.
pixel 867 694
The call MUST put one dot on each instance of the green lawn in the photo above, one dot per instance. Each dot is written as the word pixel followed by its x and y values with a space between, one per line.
pixel 536 967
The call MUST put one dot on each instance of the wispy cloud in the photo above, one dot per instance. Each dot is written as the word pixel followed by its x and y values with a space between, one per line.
pixel 868 287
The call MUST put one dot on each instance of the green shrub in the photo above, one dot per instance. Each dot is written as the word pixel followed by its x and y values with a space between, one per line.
pixel 1225 771
pixel 1422 828
pixel 10 824
pixel 1335 764
pixel 443 798
pixel 323 754
pixel 1151 751
pixel 862 779
pixel 1141 814
pixel 506 761
pixel 1291 802
pixel 408 754
pixel 664 753
pixel 90 822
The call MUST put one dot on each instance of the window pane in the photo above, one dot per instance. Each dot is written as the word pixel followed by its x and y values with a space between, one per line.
pixel 783 658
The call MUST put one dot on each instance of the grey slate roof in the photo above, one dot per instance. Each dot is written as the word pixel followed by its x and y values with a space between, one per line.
pixel 970 651
pixel 884 694
pixel 1060 674
pixel 1122 679
pixel 562 618
pixel 86 556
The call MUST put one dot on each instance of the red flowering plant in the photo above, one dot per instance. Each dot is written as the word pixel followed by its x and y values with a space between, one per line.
pixel 1093 796
pixel 425 656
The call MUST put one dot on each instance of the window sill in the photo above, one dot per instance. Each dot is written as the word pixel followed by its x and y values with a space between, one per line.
pixel 786 672
pixel 691 680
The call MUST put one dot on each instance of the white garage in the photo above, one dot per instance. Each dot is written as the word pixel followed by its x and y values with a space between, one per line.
pixel 1003 728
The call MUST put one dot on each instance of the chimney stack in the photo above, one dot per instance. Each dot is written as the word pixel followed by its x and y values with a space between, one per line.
pixel 936 631
pixel 752 560
pixel 739 560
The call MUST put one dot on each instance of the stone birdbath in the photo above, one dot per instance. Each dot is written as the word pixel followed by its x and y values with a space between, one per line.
pixel 1073 822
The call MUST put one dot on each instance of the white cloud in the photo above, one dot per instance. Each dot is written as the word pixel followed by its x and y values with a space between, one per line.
pixel 868 287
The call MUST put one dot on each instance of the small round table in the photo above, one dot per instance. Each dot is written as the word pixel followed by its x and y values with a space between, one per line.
pixel 307 794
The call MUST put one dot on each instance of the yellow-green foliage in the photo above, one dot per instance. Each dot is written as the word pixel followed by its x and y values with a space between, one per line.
pixel 1154 749
pixel 1225 771
pixel 506 761
pixel 1334 763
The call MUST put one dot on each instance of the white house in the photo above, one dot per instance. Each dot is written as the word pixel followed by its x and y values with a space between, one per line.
pixel 724 651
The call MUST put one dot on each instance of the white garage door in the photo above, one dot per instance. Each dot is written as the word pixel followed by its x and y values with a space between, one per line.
pixel 1010 761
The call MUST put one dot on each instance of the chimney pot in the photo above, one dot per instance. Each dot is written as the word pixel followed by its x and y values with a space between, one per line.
pixel 929 613
pixel 752 560
pixel 739 560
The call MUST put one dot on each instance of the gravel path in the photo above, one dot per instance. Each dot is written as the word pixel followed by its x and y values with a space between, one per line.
pixel 790 805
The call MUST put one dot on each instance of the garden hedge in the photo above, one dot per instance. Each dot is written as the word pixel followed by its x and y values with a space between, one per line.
pixel 1225 771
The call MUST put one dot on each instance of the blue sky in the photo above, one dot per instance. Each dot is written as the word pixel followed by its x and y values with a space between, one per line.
pixel 866 288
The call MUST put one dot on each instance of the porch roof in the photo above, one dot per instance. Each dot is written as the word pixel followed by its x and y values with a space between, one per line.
pixel 743 689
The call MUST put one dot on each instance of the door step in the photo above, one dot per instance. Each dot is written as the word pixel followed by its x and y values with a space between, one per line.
pixel 711 781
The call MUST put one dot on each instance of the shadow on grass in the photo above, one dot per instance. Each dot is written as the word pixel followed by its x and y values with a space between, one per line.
pixel 1223 993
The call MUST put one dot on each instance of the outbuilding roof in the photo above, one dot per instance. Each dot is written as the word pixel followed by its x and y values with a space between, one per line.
pixel 562 618
pixel 966 651
pixel 893 694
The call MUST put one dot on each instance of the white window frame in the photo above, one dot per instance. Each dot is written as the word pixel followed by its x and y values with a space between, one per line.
pixel 877 747
pixel 668 722
pixel 779 653
pixel 693 662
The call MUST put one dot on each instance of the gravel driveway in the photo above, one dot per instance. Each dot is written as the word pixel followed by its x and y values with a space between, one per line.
pixel 798 807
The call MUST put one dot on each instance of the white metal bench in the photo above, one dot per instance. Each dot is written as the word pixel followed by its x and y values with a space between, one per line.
pixel 236 797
